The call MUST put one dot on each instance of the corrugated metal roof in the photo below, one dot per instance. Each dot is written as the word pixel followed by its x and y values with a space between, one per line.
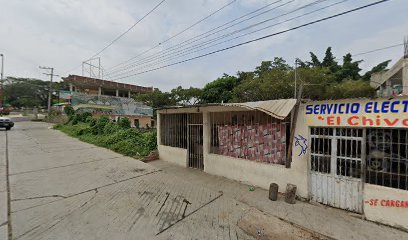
pixel 279 109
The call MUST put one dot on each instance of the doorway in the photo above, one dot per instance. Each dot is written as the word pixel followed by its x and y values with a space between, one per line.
pixel 336 167
pixel 195 152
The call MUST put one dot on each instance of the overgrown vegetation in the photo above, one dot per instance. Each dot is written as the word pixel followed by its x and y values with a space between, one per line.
pixel 119 137
pixel 326 78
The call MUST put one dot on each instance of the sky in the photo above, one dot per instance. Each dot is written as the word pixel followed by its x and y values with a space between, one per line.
pixel 64 33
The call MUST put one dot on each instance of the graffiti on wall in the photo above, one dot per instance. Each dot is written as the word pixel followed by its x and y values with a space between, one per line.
pixel 301 142
pixel 379 113
pixel 111 105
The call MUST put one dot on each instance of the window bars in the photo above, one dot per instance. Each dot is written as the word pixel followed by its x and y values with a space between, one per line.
pixel 251 135
pixel 385 152
pixel 173 130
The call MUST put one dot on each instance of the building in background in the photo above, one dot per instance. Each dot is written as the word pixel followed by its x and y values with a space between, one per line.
pixel 102 97
pixel 93 86
pixel 393 82
pixel 139 114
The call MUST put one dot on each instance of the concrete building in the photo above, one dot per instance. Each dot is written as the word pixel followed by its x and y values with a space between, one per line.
pixel 350 154
pixel 102 97
pixel 393 82
pixel 139 114
pixel 93 86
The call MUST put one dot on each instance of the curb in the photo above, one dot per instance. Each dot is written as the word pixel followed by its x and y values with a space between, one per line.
pixel 5 227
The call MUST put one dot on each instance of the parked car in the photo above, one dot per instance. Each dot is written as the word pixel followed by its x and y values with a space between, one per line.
pixel 6 123
pixel 4 111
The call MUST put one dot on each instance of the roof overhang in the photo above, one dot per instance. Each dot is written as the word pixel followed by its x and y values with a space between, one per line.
pixel 279 109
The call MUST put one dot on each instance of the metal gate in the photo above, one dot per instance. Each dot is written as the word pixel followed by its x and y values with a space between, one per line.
pixel 195 153
pixel 336 164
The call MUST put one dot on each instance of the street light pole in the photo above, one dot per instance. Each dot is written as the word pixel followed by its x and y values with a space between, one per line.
pixel 1 78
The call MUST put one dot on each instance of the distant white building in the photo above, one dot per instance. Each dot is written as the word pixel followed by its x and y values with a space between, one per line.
pixel 393 82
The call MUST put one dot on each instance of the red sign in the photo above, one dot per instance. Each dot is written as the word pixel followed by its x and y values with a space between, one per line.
pixel 375 202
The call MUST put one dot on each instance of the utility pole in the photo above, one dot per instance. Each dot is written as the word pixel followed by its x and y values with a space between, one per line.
pixel 296 60
pixel 1 79
pixel 50 87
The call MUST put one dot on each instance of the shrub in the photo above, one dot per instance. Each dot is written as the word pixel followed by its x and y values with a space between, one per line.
pixel 69 110
pixel 111 128
pixel 84 116
pixel 75 119
pixel 101 132
pixel 92 122
pixel 124 123
pixel 100 125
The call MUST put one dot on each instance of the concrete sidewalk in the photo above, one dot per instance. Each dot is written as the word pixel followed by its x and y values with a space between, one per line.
pixel 3 191
pixel 62 188
pixel 331 222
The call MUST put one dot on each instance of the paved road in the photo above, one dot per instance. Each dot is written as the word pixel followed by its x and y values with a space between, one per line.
pixel 62 188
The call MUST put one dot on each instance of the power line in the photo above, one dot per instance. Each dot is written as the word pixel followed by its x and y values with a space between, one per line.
pixel 180 45
pixel 121 35
pixel 261 38
pixel 128 30
pixel 184 52
pixel 211 30
pixel 177 34
pixel 379 49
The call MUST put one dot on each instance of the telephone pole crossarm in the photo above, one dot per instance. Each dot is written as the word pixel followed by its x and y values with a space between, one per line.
pixel 52 75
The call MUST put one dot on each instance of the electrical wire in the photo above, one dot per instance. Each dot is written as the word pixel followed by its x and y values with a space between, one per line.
pixel 177 34
pixel 261 38
pixel 121 35
pixel 128 30
pixel 184 52
pixel 379 49
pixel 162 53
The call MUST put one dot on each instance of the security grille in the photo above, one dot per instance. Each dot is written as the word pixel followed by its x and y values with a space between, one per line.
pixel 173 130
pixel 336 167
pixel 341 158
pixel 387 154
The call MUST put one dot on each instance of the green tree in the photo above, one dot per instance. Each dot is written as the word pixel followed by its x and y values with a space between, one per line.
pixel 220 90
pixel 350 89
pixel 156 99
pixel 25 92
pixel 187 96
pixel 349 70
pixel 315 60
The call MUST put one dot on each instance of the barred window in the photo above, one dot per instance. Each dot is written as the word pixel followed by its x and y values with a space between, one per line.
pixel 339 152
pixel 387 154
pixel 174 128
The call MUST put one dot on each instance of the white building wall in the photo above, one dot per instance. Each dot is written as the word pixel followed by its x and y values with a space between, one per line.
pixel 249 172
pixel 174 155
pixel 376 199
pixel 260 174
pixel 383 204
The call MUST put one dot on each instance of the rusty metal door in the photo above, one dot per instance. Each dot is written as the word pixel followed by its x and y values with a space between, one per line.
pixel 195 151
pixel 336 164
